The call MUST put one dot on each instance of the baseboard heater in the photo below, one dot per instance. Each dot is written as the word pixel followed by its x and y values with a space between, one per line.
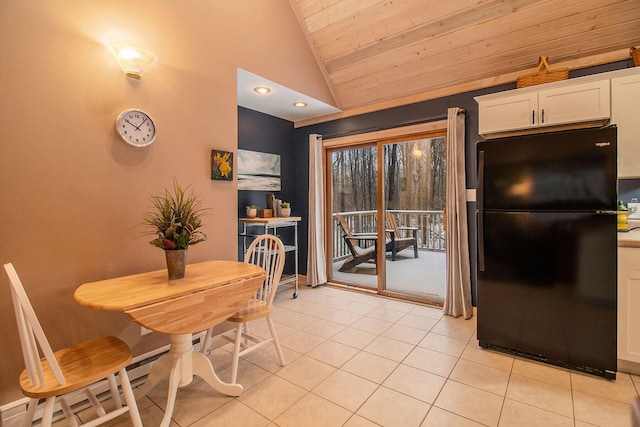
pixel 545 359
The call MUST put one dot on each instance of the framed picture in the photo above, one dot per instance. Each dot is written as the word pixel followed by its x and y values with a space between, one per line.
pixel 221 165
pixel 258 171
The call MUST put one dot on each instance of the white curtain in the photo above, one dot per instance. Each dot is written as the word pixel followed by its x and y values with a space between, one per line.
pixel 316 260
pixel 457 299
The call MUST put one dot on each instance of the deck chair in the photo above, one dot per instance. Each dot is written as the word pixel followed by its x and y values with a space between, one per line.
pixel 352 240
pixel 396 241
pixel 62 376
pixel 266 251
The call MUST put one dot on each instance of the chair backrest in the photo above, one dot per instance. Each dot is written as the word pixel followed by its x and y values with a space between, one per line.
pixel 344 224
pixel 391 224
pixel 267 251
pixel 31 333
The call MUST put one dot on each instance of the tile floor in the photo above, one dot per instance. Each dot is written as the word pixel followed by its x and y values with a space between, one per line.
pixel 362 360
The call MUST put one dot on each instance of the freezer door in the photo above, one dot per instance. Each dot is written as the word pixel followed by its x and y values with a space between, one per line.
pixel 549 286
pixel 573 170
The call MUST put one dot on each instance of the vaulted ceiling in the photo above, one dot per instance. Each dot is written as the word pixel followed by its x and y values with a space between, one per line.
pixel 381 53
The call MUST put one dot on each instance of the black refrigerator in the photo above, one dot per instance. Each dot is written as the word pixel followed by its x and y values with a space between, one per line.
pixel 547 248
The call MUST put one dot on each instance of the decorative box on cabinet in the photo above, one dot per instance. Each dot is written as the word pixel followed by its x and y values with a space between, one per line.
pixel 544 106
pixel 625 113
pixel 628 303
pixel 271 225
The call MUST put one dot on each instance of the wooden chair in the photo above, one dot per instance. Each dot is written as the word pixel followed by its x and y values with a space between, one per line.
pixel 64 375
pixel 267 251
pixel 358 253
pixel 397 241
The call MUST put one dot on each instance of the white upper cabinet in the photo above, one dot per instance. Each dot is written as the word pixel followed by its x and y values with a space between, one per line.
pixel 625 113
pixel 553 104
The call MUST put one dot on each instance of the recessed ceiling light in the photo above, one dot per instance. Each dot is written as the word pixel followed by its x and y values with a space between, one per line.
pixel 262 90
pixel 300 104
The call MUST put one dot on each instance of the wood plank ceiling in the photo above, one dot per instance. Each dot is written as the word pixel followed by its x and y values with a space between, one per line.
pixel 381 53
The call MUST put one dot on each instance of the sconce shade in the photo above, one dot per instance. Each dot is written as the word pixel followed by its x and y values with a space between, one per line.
pixel 133 60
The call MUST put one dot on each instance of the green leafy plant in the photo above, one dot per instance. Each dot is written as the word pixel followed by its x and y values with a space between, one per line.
pixel 252 207
pixel 285 205
pixel 176 219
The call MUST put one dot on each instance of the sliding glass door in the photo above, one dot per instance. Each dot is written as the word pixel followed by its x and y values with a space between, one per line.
pixel 386 231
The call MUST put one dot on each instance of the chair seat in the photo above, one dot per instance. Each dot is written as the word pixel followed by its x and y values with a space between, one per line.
pixel 81 364
pixel 255 309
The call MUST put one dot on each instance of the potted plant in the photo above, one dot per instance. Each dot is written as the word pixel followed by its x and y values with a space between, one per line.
pixel 252 211
pixel 285 209
pixel 176 222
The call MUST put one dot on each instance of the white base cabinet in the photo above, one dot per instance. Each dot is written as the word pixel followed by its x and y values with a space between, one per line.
pixel 628 304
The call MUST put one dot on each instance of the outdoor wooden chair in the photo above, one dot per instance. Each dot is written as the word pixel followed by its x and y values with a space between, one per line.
pixel 353 240
pixel 61 376
pixel 396 241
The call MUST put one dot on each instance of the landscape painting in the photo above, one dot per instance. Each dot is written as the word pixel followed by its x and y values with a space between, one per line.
pixel 258 171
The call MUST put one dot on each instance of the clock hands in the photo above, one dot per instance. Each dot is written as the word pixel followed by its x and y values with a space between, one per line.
pixel 137 127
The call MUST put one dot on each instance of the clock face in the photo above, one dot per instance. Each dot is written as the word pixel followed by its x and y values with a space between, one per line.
pixel 136 128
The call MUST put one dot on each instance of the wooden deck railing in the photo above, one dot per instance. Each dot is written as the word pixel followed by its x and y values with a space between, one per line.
pixel 430 225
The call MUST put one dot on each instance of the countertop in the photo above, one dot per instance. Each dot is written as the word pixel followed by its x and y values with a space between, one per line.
pixel 630 239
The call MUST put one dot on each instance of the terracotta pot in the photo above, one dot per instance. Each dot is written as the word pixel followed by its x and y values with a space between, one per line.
pixel 251 213
pixel 285 212
pixel 176 263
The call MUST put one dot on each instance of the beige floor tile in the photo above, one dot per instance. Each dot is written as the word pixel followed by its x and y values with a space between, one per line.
pixel 306 372
pixel 426 311
pixel 389 348
pixel 601 412
pixel 401 306
pixel 358 421
pixel 443 344
pixel 415 382
pixel 301 341
pixel 230 415
pixel 418 322
pixel 542 372
pixel 371 325
pixel 454 330
pixel 192 402
pixel 354 337
pixel 333 353
pixel 324 328
pixel 460 320
pixel 483 377
pixel 431 361
pixel 438 417
pixel 292 318
pixel 516 414
pixel 272 396
pixel 386 314
pixel 622 389
pixel 313 410
pixel 248 374
pixel 491 358
pixel 390 408
pixel 405 334
pixel 345 389
pixel 267 358
pixel 359 308
pixel 549 397
pixel 579 423
pixel 342 317
pixel 369 366
pixel 471 403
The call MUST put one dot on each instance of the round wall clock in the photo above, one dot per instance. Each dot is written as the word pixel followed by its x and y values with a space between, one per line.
pixel 136 127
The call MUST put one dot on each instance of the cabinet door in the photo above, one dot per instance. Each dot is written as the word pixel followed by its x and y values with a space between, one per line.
pixel 628 302
pixel 575 103
pixel 510 112
pixel 625 106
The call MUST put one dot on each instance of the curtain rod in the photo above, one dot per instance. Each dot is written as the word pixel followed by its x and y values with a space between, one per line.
pixel 397 125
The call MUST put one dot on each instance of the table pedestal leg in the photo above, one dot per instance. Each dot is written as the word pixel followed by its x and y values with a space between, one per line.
pixel 180 365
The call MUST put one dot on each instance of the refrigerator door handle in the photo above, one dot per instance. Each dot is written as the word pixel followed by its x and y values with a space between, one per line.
pixel 606 212
pixel 480 211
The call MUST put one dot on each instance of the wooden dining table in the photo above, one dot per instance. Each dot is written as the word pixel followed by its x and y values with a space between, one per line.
pixel 209 293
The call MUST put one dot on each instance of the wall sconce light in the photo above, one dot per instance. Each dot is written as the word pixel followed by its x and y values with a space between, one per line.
pixel 133 60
